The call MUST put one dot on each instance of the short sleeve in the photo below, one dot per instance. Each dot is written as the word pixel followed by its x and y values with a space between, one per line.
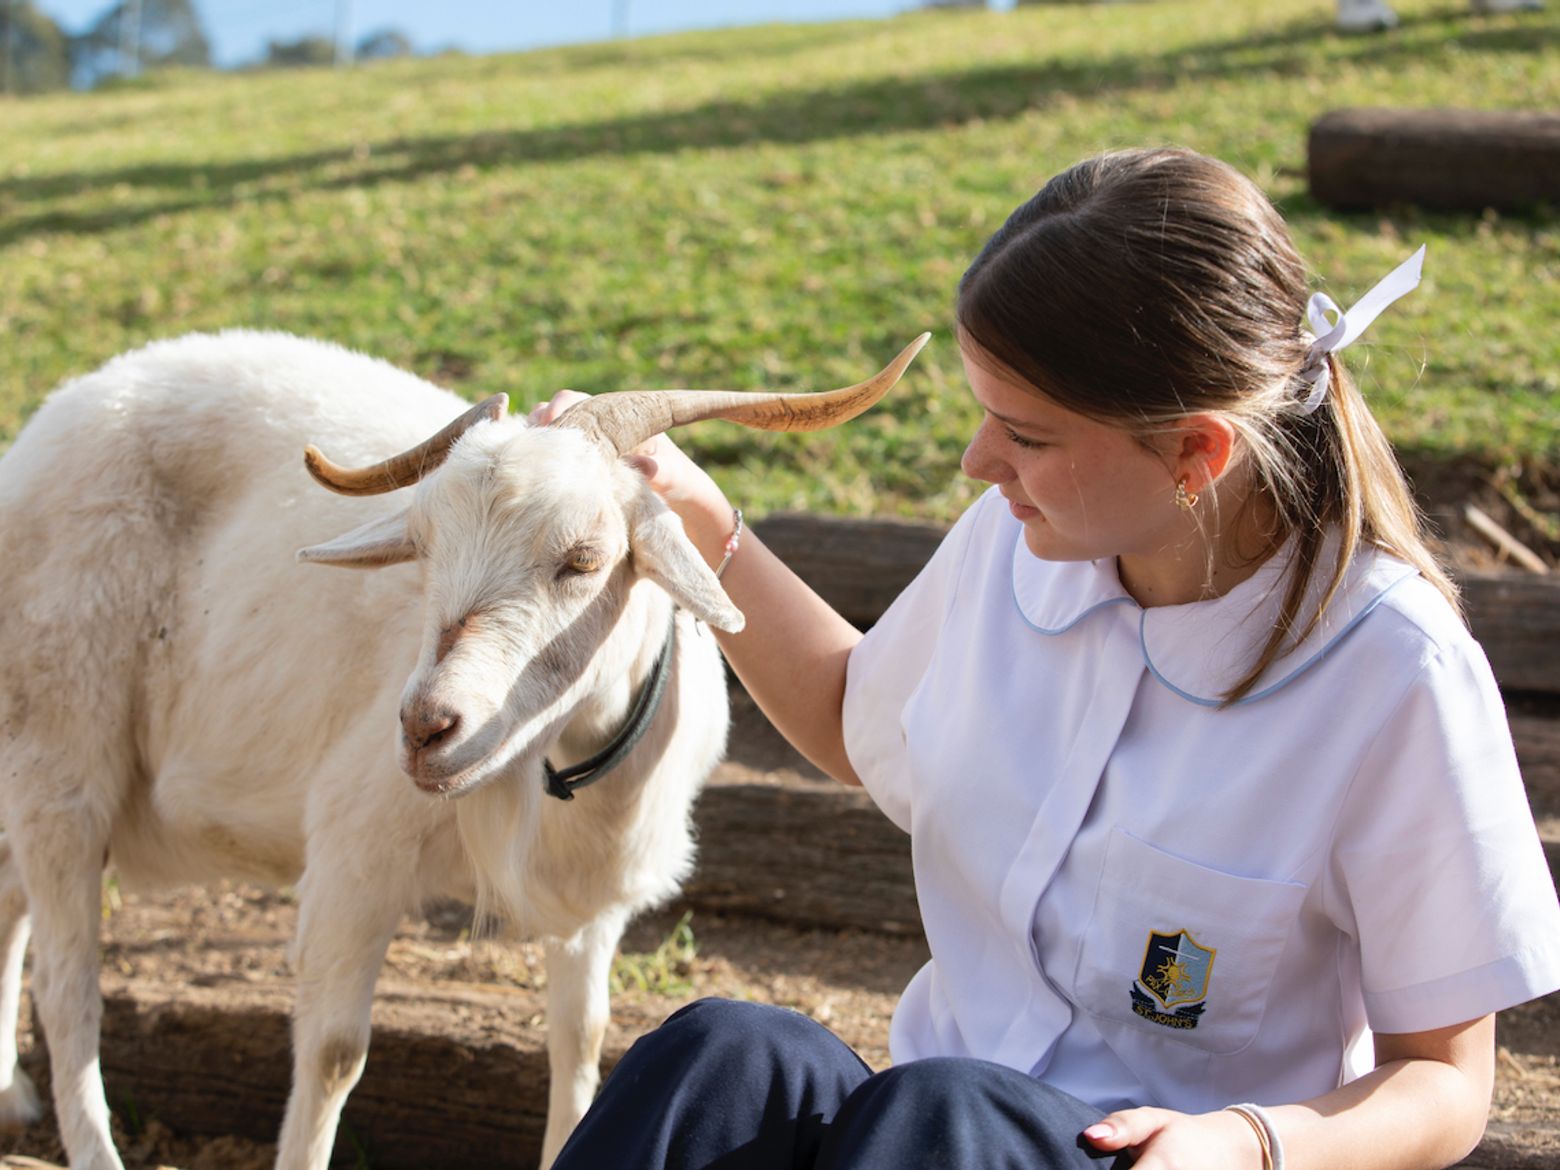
pixel 1437 863
pixel 888 664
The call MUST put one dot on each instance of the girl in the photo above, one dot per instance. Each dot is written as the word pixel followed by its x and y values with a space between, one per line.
pixel 1218 835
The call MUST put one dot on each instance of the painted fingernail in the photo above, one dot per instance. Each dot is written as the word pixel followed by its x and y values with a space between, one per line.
pixel 1100 1132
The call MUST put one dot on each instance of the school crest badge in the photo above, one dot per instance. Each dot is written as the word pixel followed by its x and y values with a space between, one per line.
pixel 1171 987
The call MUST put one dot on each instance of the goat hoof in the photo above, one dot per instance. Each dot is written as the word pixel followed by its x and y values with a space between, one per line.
pixel 19 1104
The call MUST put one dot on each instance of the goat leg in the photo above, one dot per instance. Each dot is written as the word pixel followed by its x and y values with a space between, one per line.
pixel 345 922
pixel 66 902
pixel 578 1011
pixel 19 1104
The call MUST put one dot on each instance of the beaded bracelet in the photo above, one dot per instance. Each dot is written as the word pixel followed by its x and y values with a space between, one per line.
pixel 732 542
pixel 1267 1136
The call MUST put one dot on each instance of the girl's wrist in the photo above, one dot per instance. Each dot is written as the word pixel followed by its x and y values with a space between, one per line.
pixel 1264 1150
pixel 710 521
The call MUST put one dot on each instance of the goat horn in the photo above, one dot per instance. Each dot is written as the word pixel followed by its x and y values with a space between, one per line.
pixel 409 466
pixel 626 418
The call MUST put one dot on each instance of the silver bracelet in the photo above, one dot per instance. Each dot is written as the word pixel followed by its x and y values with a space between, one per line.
pixel 1267 1135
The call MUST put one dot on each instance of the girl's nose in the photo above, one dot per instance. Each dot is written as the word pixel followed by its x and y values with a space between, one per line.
pixel 978 461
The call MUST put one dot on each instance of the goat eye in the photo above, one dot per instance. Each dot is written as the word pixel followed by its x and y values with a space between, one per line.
pixel 583 561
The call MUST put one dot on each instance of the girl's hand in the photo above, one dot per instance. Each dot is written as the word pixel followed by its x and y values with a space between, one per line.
pixel 678 480
pixel 1161 1139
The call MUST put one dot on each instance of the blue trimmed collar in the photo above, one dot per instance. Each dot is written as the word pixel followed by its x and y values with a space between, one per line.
pixel 1201 649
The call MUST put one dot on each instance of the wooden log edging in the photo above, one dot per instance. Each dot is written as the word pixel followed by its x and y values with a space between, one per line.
pixel 821 855
pixel 1447 159
pixel 860 566
pixel 1516 618
pixel 454 1078
pixel 808 856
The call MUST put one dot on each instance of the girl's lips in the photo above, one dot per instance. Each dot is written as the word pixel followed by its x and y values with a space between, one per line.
pixel 1022 511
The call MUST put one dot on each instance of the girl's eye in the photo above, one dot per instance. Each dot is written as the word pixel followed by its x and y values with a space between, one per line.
pixel 1019 440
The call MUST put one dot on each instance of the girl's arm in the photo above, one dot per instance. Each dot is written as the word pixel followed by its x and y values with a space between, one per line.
pixel 791 655
pixel 1423 1107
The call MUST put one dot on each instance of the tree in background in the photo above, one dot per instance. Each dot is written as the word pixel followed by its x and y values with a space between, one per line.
pixel 304 51
pixel 313 50
pixel 385 42
pixel 163 32
pixel 34 53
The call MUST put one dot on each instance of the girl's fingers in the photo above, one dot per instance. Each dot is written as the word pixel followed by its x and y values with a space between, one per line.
pixel 542 415
pixel 646 467
pixel 1129 1127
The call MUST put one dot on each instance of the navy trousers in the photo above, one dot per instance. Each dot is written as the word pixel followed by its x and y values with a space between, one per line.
pixel 739 1086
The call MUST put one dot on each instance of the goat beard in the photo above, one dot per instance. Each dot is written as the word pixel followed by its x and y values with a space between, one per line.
pixel 498 826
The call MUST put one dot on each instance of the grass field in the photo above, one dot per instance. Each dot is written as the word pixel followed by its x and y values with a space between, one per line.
pixel 774 207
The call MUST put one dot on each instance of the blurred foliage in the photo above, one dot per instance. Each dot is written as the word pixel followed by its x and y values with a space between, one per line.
pixel 382 44
pixel 37 55
pixel 305 51
pixel 34 51
pixel 774 207
pixel 166 33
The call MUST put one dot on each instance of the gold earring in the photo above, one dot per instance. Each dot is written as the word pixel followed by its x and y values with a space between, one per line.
pixel 1184 499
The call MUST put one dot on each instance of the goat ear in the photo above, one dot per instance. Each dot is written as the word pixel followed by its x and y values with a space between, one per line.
pixel 373 545
pixel 663 552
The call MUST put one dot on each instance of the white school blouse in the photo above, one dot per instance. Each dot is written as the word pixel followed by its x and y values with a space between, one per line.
pixel 1147 900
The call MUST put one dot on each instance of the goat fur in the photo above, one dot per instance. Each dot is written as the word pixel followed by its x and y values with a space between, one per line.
pixel 184 698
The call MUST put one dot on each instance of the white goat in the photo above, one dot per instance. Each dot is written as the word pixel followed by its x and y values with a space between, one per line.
pixel 184 699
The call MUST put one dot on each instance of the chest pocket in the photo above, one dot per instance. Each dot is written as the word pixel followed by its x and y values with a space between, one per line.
pixel 1177 951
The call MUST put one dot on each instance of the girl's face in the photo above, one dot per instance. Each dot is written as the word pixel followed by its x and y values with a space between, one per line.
pixel 1082 489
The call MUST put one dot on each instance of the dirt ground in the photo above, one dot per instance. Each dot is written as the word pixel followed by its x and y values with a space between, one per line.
pixel 237 934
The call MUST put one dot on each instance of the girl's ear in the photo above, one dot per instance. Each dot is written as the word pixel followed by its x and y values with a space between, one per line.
pixel 1202 447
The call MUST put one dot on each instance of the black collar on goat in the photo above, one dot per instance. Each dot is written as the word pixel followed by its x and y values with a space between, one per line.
pixel 563 784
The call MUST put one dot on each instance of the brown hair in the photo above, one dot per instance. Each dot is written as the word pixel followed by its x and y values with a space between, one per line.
pixel 1142 286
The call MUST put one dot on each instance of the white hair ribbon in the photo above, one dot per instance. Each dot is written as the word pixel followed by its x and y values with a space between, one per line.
pixel 1331 336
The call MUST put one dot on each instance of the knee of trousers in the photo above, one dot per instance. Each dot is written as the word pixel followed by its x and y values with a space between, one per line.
pixel 725 1036
pixel 961 1083
pixel 748 1027
pixel 959 1112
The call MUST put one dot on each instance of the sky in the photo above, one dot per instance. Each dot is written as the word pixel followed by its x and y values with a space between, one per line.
pixel 239 29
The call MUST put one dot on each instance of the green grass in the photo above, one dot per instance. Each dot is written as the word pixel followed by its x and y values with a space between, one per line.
pixel 666 971
pixel 775 207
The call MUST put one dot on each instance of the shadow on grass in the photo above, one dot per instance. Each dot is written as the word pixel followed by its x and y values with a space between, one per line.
pixel 889 105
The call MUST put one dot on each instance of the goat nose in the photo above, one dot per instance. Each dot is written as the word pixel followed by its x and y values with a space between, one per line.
pixel 425 724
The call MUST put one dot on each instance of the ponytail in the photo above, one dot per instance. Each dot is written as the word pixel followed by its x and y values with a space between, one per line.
pixel 1358 490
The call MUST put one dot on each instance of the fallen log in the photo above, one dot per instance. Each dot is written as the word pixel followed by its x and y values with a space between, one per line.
pixel 1506 545
pixel 1440 158
pixel 860 566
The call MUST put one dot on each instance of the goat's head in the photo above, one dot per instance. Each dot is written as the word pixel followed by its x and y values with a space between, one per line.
pixel 531 540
